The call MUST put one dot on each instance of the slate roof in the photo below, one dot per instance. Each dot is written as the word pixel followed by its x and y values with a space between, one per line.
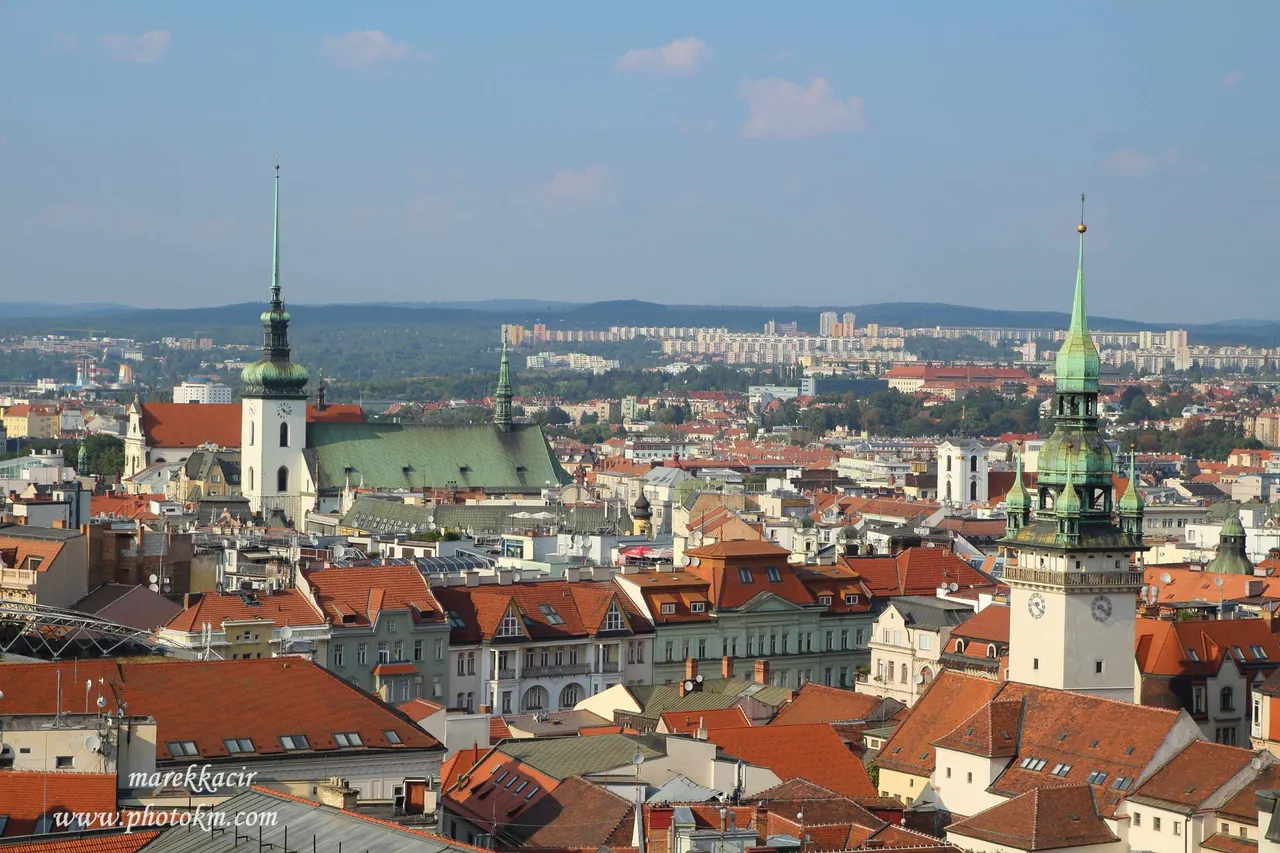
pixel 414 456
pixel 304 819
pixel 272 696
pixel 560 758
pixel 1047 818
pixel 931 613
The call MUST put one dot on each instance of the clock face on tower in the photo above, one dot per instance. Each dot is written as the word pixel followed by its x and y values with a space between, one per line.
pixel 253 407
pixel 1101 608
pixel 284 410
pixel 1035 605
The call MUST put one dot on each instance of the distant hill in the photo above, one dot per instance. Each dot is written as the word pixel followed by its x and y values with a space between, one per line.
pixel 52 309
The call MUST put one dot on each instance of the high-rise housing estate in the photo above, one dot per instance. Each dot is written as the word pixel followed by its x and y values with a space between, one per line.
pixel 826 322
pixel 849 321
pixel 1072 585
pixel 200 390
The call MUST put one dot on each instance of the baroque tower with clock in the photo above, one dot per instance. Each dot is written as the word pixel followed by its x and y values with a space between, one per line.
pixel 1073 590
pixel 273 420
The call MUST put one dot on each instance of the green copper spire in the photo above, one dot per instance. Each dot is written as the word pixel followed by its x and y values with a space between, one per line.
pixel 502 407
pixel 1017 499
pixel 1231 558
pixel 1068 502
pixel 274 375
pixel 1131 500
pixel 1078 364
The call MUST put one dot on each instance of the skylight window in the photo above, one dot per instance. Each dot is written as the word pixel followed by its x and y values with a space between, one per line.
pixel 347 739
pixel 1061 769
pixel 236 745
pixel 1032 763
pixel 511 781
pixel 1259 653
pixel 1193 656
pixel 179 748
pixel 1097 777
pixel 532 791
pixel 744 575
pixel 774 575
pixel 294 743
pixel 549 611
pixel 1122 783
pixel 392 737
pixel 520 787
pixel 455 621
pixel 500 777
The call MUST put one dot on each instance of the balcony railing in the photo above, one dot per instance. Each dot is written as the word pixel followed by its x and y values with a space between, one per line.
pixel 1028 574
pixel 552 671
pixel 609 666
pixel 506 674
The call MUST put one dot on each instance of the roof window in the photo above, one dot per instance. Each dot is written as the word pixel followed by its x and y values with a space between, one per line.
pixel 294 743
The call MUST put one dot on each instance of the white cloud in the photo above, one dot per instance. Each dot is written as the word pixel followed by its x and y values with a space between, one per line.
pixel 1233 80
pixel 682 56
pixel 366 47
pixel 1131 162
pixel 591 186
pixel 785 109
pixel 151 46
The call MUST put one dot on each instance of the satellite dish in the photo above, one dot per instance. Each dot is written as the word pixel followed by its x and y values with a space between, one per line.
pixel 93 743
pixel 954 586
pixel 431 518
pixel 515 577
pixel 152 578
pixel 638 759
pixel 1155 594
pixel 699 679
pixel 696 561
pixel 919 678
pixel 286 633
pixel 339 551
pixel 1166 578
pixel 1146 592
pixel 154 587
pixel 688 685
pixel 102 703
pixel 684 561
pixel 1256 763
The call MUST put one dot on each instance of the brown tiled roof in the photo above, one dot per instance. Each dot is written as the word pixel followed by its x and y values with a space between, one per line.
pixel 577 815
pixel 816 703
pixel 579 609
pixel 1224 843
pixel 1193 776
pixel 807 751
pixel 26 795
pixel 273 697
pixel 988 625
pixel 190 425
pixel 280 608
pixel 353 597
pixel 1048 818
pixel 916 571
pixel 947 702
pixel 688 722
pixel 992 730
pixel 418 709
pixel 14 551
pixel 1172 645
pixel 1243 808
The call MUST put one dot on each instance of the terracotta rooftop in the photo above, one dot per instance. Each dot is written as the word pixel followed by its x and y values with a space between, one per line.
pixel 816 703
pixel 1193 776
pixel 806 751
pixel 28 795
pixel 545 610
pixel 688 722
pixel 353 597
pixel 113 841
pixel 1049 818
pixel 988 625
pixel 947 702
pixel 280 608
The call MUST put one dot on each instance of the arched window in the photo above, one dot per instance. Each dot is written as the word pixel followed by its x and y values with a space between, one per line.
pixel 570 696
pixel 282 479
pixel 253 430
pixel 959 646
pixel 948 463
pixel 251 479
pixel 284 434
pixel 948 490
pixel 973 463
pixel 991 650
pixel 973 490
pixel 534 699
pixel 1227 699
pixel 904 673
pixel 927 674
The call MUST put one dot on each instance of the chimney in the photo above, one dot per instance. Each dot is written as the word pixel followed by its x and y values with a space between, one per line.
pixel 473 578
pixel 691 669
pixel 505 576
pixel 761 674
pixel 572 575
pixel 726 667
pixel 486 709
pixel 1268 615
pixel 191 599
pixel 762 821
pixel 338 794
pixel 701 732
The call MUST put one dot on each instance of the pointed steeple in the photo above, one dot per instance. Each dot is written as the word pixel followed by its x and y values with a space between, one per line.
pixel 274 375
pixel 1131 500
pixel 1078 364
pixel 502 406
pixel 1017 503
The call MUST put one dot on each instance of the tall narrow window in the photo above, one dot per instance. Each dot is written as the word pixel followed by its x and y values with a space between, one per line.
pixel 973 463
pixel 251 479
pixel 252 430
pixel 282 479
pixel 284 434
pixel 973 490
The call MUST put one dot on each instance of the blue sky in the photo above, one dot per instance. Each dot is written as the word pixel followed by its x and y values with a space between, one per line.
pixel 750 153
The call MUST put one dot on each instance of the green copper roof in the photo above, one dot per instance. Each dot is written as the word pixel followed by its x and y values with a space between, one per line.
pixel 1131 500
pixel 1231 558
pixel 1017 499
pixel 1068 502
pixel 1078 364
pixel 502 409
pixel 275 375
pixel 413 456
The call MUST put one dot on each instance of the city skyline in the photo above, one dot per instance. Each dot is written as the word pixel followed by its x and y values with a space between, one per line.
pixel 847 157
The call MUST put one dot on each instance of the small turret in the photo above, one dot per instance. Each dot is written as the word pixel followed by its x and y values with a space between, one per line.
pixel 1131 505
pixel 1231 558
pixel 641 517
pixel 1017 503
pixel 1067 508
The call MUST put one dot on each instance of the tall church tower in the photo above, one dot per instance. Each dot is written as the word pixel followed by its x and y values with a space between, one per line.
pixel 273 414
pixel 502 398
pixel 1073 594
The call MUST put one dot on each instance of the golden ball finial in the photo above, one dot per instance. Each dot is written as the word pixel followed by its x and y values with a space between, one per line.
pixel 1081 228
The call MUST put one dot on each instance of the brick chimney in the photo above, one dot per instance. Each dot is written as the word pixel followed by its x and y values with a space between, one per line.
pixel 691 669
pixel 1269 618
pixel 486 709
pixel 338 794
pixel 726 666
pixel 761 673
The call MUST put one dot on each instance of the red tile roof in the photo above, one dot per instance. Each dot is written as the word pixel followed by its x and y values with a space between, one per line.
pixel 1048 818
pixel 1165 647
pixel 816 703
pixel 549 610
pixel 114 841
pixel 280 608
pixel 353 597
pixel 341 413
pixel 190 425
pixel 27 795
pixel 577 815
pixel 273 697
pixel 458 764
pixel 806 751
pixel 688 722
pixel 947 702
pixel 15 550
pixel 419 709
pixel 989 625
pixel 916 571
pixel 991 732
pixel 1194 775
pixel 1243 808
pixel 1224 843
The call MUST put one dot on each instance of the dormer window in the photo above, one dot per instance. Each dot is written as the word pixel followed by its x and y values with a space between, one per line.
pixel 510 626
pixel 698 607
pixel 850 598
pixel 774 575
pixel 824 600
pixel 613 620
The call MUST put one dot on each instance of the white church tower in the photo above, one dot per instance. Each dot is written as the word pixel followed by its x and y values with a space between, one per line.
pixel 273 414
pixel 962 471
pixel 1073 593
